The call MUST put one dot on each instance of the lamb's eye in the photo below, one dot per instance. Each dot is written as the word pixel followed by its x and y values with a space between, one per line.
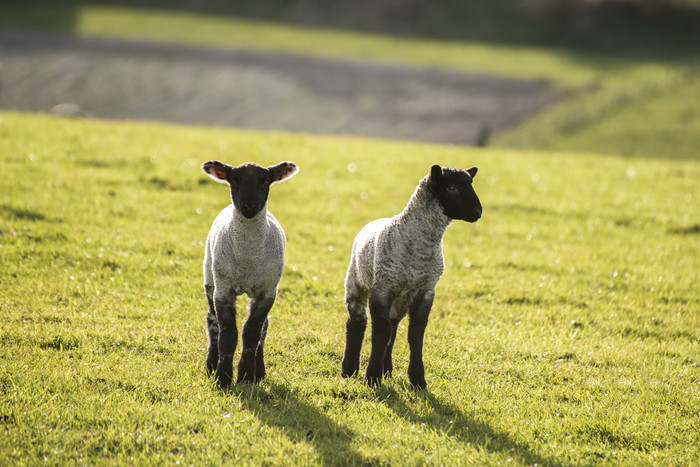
pixel 453 188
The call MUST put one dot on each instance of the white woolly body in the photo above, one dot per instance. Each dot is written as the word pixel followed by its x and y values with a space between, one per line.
pixel 244 255
pixel 401 255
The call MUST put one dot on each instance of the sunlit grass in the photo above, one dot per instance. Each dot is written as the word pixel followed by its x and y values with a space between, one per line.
pixel 661 121
pixel 565 329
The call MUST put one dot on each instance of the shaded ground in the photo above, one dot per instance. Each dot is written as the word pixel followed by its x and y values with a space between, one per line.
pixel 143 81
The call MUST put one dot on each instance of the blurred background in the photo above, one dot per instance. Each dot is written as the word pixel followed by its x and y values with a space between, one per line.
pixel 610 76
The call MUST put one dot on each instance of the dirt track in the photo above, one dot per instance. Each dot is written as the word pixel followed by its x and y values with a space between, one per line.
pixel 144 81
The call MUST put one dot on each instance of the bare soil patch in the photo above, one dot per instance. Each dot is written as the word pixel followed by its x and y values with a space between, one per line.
pixel 205 86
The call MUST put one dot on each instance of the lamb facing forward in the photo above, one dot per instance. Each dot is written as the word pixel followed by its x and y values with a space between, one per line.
pixel 396 264
pixel 244 254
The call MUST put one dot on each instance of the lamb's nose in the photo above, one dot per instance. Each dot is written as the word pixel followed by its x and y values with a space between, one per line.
pixel 478 211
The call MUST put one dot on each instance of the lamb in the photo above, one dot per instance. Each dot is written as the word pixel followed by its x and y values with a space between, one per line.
pixel 396 264
pixel 244 254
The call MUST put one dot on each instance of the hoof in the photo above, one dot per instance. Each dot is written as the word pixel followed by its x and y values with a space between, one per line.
pixel 421 384
pixel 245 378
pixel 222 380
pixel 373 381
pixel 349 371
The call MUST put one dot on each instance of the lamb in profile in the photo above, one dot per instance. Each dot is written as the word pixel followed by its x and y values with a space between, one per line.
pixel 244 254
pixel 396 264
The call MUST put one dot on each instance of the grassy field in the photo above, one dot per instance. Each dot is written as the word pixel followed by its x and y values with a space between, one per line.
pixel 643 118
pixel 566 329
pixel 610 99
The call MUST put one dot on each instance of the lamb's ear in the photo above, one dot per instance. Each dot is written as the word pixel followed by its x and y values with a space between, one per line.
pixel 283 171
pixel 472 171
pixel 435 175
pixel 217 170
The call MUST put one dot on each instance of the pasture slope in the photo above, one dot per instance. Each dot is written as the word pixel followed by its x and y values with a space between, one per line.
pixel 630 97
pixel 566 329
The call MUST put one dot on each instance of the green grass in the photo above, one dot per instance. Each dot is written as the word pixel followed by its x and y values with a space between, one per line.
pixel 566 328
pixel 656 121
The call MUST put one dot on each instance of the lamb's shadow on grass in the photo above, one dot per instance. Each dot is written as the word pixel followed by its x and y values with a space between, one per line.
pixel 280 407
pixel 446 417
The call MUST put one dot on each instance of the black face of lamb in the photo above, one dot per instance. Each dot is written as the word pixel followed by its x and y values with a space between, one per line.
pixel 250 182
pixel 250 187
pixel 454 190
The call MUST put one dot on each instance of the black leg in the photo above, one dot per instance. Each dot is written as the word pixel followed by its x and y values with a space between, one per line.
pixel 354 333
pixel 259 354
pixel 388 364
pixel 213 332
pixel 356 305
pixel 379 307
pixel 252 332
pixel 228 339
pixel 419 312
